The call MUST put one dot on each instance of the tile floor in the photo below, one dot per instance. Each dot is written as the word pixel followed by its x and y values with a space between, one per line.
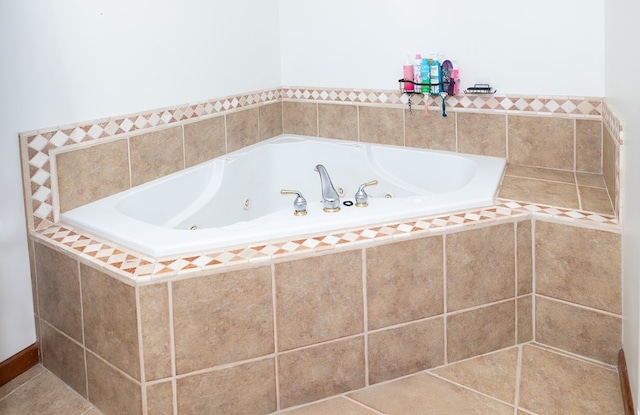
pixel 523 380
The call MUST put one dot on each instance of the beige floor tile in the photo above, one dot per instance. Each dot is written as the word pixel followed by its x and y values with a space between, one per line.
pixel 7 388
pixel 493 374
pixel 335 406
pixel 590 179
pixel 45 394
pixel 426 395
pixel 552 384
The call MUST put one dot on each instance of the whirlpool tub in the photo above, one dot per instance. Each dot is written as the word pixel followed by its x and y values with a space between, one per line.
pixel 235 200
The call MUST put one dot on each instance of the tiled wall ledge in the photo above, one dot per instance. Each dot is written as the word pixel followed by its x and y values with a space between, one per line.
pixel 38 148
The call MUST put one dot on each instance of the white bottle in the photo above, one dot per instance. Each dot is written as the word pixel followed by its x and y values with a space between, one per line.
pixel 436 75
pixel 417 74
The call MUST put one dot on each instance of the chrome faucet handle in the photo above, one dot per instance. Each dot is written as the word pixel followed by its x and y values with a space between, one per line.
pixel 299 204
pixel 362 196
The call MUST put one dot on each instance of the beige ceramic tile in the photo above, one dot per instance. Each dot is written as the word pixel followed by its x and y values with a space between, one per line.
pixel 493 374
pixel 433 132
pixel 539 191
pixel 247 389
pixel 525 318
pixel 20 380
pixel 381 125
pixel 338 121
pixel 242 129
pixel 484 134
pixel 111 391
pixel 300 118
pixel 552 175
pixel 222 318
pixel 424 394
pixel 337 406
pixel 44 395
pixel 156 154
pixel 204 140
pixel 59 290
pixel 319 299
pixel 591 180
pixel 524 257
pixel 156 340
pixel 579 265
pixel 405 350
pixel 480 266
pixel 404 281
pixel 480 331
pixel 160 399
pixel 610 163
pixel 541 141
pixel 110 322
pixel 64 358
pixel 595 199
pixel 317 372
pixel 270 118
pixel 589 146
pixel 552 384
pixel 578 330
pixel 91 173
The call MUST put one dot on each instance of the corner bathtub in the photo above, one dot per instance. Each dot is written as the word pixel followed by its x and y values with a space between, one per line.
pixel 235 200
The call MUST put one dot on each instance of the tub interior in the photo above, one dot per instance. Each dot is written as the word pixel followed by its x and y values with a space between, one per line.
pixel 236 200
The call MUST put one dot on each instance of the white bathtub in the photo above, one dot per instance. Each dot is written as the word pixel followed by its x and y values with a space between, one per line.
pixel 235 200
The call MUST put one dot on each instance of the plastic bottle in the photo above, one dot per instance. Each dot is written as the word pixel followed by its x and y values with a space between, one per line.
pixel 435 74
pixel 407 74
pixel 425 71
pixel 417 75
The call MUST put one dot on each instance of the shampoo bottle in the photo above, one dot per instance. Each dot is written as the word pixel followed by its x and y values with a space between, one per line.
pixel 435 74
pixel 407 74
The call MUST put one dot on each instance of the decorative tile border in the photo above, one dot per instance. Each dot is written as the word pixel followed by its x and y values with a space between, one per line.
pixel 612 122
pixel 36 146
pixel 134 268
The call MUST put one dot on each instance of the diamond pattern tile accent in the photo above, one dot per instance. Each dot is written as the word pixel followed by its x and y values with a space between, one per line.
pixel 135 267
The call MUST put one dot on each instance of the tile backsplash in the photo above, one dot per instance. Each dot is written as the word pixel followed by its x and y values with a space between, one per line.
pixel 556 132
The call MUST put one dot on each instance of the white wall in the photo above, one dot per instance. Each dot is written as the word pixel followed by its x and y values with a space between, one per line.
pixel 540 47
pixel 623 91
pixel 73 60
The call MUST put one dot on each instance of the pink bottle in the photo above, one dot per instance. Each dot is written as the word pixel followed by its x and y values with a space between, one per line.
pixel 407 74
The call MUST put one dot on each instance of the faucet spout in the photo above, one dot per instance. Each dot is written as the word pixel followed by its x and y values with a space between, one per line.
pixel 330 197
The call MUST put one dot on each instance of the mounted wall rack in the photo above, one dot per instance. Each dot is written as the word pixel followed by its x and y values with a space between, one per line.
pixel 448 88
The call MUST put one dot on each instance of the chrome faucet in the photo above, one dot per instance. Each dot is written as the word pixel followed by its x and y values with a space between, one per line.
pixel 330 198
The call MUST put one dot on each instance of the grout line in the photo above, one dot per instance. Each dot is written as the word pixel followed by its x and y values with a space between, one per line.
pixel 143 385
pixel 365 317
pixel 83 345
pixel 533 279
pixel 275 336
pixel 172 348
pixel 444 298
pixel 516 398
pixel 470 389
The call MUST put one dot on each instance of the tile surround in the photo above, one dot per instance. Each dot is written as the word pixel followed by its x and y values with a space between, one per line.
pixel 132 269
